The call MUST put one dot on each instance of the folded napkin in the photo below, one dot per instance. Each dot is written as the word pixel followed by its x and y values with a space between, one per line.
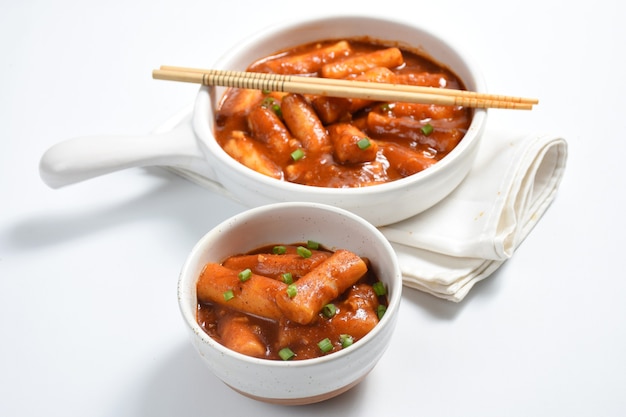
pixel 447 249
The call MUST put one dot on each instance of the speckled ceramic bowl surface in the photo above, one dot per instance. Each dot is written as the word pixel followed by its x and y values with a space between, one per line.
pixel 303 381
pixel 380 204
pixel 191 147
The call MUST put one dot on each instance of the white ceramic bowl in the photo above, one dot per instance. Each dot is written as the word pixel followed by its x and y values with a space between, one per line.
pixel 192 149
pixel 380 204
pixel 292 382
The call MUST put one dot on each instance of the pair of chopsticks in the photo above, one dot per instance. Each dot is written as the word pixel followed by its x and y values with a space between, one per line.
pixel 341 88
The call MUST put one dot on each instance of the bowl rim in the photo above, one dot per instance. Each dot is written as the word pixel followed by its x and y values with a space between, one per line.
pixel 186 282
pixel 203 108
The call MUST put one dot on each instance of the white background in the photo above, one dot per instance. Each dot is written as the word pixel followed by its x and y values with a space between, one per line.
pixel 89 323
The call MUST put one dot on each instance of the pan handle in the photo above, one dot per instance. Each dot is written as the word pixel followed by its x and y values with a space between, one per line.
pixel 83 158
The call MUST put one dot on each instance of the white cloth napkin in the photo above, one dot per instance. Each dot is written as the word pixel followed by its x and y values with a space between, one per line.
pixel 447 249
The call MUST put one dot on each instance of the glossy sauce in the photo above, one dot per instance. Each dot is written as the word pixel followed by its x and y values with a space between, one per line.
pixel 398 145
pixel 357 312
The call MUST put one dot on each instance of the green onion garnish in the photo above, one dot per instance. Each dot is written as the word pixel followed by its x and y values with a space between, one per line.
pixel 364 143
pixel 228 295
pixel 292 290
pixel 379 288
pixel 287 278
pixel 311 244
pixel 272 104
pixel 279 250
pixel 346 340
pixel 286 354
pixel 385 107
pixel 245 275
pixel 329 310
pixel 297 154
pixel 325 345
pixel 427 129
pixel 304 252
pixel 380 310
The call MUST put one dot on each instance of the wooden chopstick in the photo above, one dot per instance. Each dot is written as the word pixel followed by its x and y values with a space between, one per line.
pixel 341 88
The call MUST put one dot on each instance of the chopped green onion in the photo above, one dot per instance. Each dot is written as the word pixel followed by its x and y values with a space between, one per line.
pixel 292 290
pixel 346 340
pixel 245 275
pixel 297 154
pixel 304 252
pixel 266 92
pixel 228 295
pixel 381 310
pixel 427 129
pixel 286 354
pixel 272 104
pixel 279 250
pixel 379 288
pixel 364 143
pixel 287 278
pixel 329 310
pixel 325 345
pixel 385 107
pixel 311 244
